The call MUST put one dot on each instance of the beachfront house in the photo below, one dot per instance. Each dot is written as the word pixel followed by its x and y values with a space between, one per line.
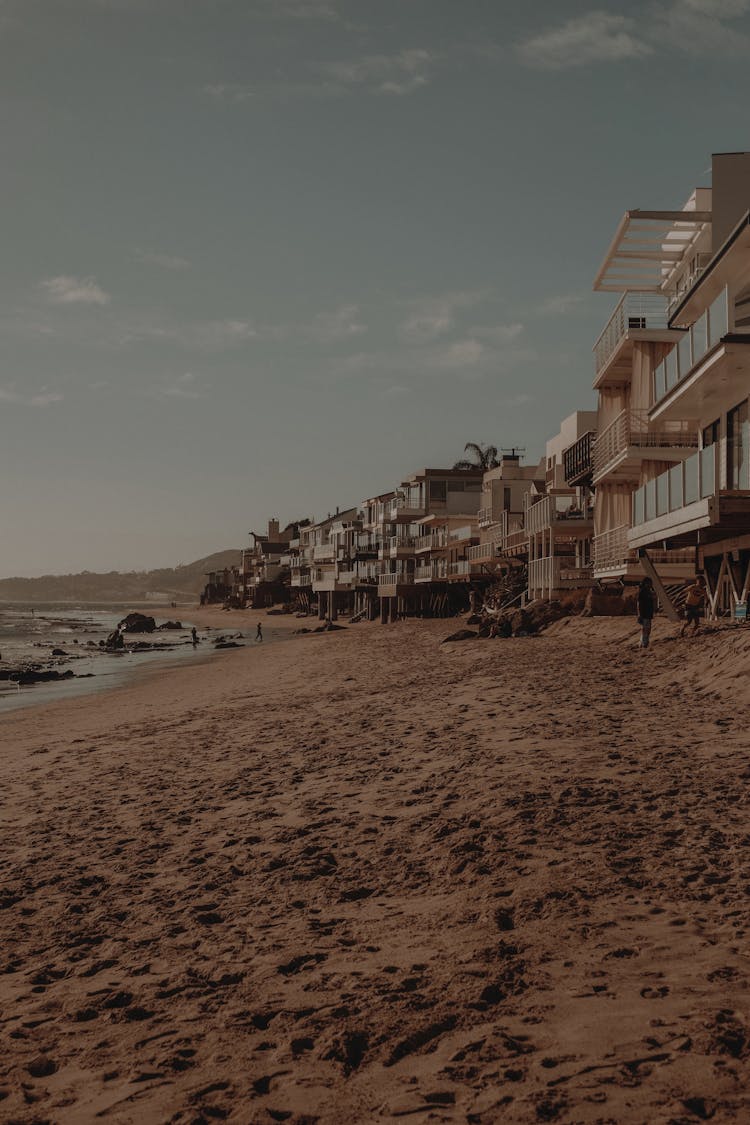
pixel 264 573
pixel 559 523
pixel 654 255
pixel 420 502
pixel 701 503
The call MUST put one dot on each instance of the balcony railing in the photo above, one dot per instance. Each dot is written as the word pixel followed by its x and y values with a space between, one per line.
pixel 460 534
pixel 556 572
pixel 324 551
pixel 484 517
pixel 396 578
pixel 550 509
pixel 433 571
pixel 578 459
pixel 459 568
pixel 634 312
pixel 610 550
pixel 401 506
pixel 431 542
pixel 630 430
pixel 481 553
pixel 401 542
pixel 699 339
pixel 683 484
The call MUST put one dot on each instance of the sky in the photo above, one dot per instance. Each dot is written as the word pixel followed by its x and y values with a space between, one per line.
pixel 267 257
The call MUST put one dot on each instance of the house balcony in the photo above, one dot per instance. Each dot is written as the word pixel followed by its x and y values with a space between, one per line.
pixel 484 517
pixel 708 370
pixel 400 546
pixel 434 571
pixel 627 442
pixel 557 572
pixel 611 554
pixel 481 554
pixel 335 580
pixel 685 506
pixel 402 509
pixel 392 584
pixel 324 552
pixel 301 580
pixel 636 317
pixel 434 542
pixel 459 570
pixel 578 463
pixel 559 513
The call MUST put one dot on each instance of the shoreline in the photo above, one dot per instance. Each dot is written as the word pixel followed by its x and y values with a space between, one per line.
pixel 366 874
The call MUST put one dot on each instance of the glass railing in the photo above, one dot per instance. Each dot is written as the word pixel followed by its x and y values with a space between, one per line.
pixel 683 484
pixel 699 339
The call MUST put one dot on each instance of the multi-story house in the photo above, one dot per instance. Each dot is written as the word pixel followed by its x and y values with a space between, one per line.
pixel 263 567
pixel 559 524
pixel 503 542
pixel 701 503
pixel 334 556
pixel 427 495
pixel 652 256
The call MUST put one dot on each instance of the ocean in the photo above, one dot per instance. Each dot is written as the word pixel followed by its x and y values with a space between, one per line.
pixel 28 636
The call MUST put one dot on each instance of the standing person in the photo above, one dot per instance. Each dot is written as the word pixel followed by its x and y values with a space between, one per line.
pixel 194 636
pixel 694 602
pixel 258 634
pixel 646 609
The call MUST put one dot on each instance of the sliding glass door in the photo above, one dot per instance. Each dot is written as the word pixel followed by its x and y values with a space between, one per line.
pixel 738 447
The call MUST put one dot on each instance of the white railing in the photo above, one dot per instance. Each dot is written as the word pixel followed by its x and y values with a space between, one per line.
pixel 481 552
pixel 346 577
pixel 323 551
pixel 401 543
pixel 610 550
pixel 634 312
pixel 459 534
pixel 630 429
pixel 484 517
pixel 396 578
pixel 401 506
pixel 431 542
pixel 683 484
pixel 459 568
pixel 697 341
pixel 556 572
pixel 550 509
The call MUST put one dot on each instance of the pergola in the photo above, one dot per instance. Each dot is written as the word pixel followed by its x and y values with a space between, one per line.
pixel 646 248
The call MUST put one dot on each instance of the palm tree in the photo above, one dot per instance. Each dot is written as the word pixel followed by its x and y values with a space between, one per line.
pixel 485 457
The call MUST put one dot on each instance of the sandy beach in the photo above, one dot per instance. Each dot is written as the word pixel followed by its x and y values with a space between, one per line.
pixel 365 875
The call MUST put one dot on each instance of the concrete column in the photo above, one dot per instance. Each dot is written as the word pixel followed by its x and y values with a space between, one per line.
pixel 321 606
pixel 334 607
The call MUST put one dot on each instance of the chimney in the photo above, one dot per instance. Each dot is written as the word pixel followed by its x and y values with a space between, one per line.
pixel 273 531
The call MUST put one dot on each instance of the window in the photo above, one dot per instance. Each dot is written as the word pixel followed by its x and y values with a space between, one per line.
pixel 506 500
pixel 438 491
pixel 711 433
pixel 738 443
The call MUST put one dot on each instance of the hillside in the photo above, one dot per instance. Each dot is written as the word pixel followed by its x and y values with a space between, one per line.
pixel 179 582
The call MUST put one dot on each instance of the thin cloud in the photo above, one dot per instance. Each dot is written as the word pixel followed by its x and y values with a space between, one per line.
pixel 399 74
pixel 598 37
pixel 297 9
pixel 700 27
pixel 433 317
pixel 233 92
pixel 561 305
pixel 66 290
pixel 184 386
pixel 164 261
pixel 41 398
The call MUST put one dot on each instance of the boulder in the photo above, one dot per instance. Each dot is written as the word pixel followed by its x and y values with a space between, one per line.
pixel 138 623
pixel 170 625
pixel 461 635
pixel 59 652
pixel 228 644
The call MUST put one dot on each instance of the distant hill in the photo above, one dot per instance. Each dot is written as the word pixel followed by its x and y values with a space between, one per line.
pixel 176 582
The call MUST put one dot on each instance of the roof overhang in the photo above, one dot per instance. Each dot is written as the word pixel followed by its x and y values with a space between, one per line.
pixel 729 265
pixel 646 248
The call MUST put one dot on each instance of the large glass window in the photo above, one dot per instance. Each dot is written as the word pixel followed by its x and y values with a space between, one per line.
pixel 738 446
pixel 711 433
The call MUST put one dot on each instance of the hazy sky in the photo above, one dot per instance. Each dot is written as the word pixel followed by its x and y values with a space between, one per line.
pixel 263 257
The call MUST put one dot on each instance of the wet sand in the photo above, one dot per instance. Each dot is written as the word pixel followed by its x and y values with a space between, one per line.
pixel 366 876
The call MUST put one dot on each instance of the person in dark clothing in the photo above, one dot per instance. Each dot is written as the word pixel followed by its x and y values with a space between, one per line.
pixel 194 636
pixel 258 634
pixel 646 609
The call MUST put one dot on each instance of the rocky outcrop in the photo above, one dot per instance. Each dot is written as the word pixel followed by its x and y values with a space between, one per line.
pixel 138 623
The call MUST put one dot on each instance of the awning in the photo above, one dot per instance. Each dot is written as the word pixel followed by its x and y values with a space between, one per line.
pixel 647 246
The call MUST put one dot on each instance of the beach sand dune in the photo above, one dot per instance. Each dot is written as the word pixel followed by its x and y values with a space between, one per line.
pixel 368 876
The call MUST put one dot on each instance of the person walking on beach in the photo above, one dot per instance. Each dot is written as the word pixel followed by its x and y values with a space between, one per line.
pixel 194 636
pixel 694 602
pixel 258 634
pixel 646 609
